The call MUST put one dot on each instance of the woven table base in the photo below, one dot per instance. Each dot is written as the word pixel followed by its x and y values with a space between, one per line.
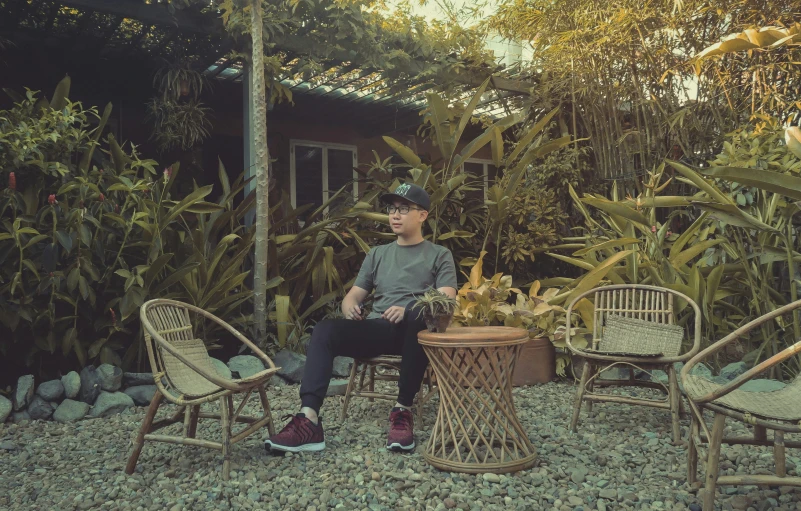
pixel 477 430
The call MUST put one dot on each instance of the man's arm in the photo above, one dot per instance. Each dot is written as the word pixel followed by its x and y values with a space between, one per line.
pixel 450 291
pixel 351 302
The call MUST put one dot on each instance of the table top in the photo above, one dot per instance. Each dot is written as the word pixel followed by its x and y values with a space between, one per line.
pixel 474 336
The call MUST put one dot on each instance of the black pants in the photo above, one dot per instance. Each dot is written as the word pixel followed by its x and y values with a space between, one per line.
pixel 364 339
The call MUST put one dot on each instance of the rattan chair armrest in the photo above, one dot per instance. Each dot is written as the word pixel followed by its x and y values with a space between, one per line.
pixel 767 364
pixel 215 379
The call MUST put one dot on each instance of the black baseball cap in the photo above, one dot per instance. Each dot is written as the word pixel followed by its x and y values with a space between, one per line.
pixel 409 192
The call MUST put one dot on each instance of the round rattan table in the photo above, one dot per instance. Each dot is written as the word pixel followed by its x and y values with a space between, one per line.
pixel 476 430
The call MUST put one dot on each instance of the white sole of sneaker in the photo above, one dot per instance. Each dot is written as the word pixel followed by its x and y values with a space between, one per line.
pixel 301 448
pixel 400 448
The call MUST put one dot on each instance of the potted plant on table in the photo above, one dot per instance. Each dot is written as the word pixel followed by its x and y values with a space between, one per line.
pixel 437 309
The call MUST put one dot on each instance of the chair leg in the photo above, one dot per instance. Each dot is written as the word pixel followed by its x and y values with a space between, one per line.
pixel 371 382
pixel 692 452
pixel 225 426
pixel 143 430
pixel 585 375
pixel 590 386
pixel 713 457
pixel 778 453
pixel 265 405
pixel 675 403
pixel 349 389
pixel 190 427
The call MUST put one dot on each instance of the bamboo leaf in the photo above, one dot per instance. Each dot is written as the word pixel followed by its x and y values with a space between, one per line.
pixel 525 141
pixel 467 115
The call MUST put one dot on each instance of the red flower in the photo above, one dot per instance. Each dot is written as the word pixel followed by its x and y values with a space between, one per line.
pixel 12 181
pixel 167 172
pixel 101 171
pixel 113 317
pixel 669 233
pixel 653 228
pixel 52 199
pixel 102 197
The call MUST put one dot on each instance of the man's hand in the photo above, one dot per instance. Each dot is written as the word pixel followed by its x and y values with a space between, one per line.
pixel 353 311
pixel 394 314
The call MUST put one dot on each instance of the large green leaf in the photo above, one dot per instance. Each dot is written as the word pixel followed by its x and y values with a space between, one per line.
pixel 526 139
pixel 595 276
pixel 616 208
pixel 404 152
pixel 607 245
pixel 686 256
pixel 194 197
pixel 783 184
pixel 699 181
pixel 467 114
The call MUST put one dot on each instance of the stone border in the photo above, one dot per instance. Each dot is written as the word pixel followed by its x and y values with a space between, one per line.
pixel 106 390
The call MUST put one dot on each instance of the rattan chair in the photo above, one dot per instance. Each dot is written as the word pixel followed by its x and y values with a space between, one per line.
pixel 778 410
pixel 383 368
pixel 634 326
pixel 185 376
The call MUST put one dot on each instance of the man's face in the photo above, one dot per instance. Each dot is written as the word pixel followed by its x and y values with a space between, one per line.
pixel 408 223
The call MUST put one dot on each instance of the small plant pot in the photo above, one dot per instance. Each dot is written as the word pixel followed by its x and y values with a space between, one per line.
pixel 437 323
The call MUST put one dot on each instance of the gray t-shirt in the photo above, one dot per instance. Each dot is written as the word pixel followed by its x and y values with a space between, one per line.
pixel 400 273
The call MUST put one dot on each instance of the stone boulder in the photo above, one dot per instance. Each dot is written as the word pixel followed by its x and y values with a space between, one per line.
pixel 51 390
pixel 24 392
pixel 18 417
pixel 141 394
pixel 762 385
pixel 109 403
pixel 39 409
pixel 734 370
pixel 342 366
pixel 72 384
pixel 337 388
pixel 5 409
pixel 110 377
pixel 292 365
pixel 276 381
pixel 135 379
pixel 221 368
pixel 616 373
pixel 70 411
pixel 90 385
pixel 245 365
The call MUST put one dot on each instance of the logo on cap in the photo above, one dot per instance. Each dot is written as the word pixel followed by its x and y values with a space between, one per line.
pixel 402 189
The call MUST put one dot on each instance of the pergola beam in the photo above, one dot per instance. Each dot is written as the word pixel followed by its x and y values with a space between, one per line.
pixel 192 22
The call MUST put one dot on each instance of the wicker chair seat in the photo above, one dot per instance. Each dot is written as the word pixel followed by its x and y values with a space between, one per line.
pixel 182 377
pixel 782 404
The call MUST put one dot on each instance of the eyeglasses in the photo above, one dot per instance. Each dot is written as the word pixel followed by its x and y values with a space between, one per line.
pixel 403 209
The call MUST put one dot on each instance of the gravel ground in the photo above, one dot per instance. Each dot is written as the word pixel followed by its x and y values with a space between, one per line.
pixel 620 459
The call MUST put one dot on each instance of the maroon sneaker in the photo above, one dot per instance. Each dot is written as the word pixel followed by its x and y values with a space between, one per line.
pixel 401 430
pixel 300 435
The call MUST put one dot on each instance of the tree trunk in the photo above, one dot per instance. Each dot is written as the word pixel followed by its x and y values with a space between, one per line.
pixel 259 130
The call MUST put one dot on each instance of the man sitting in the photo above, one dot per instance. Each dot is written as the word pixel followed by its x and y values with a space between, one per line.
pixel 398 271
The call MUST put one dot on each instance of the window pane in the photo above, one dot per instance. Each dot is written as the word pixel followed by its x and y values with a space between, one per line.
pixel 475 180
pixel 340 173
pixel 492 175
pixel 308 176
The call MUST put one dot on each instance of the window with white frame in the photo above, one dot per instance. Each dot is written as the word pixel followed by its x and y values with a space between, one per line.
pixel 318 170
pixel 481 170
